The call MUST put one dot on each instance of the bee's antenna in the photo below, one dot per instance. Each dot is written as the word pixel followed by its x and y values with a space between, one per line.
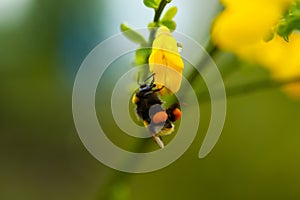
pixel 138 78
pixel 151 75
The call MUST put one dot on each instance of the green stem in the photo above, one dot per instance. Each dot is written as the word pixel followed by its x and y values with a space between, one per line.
pixel 211 50
pixel 248 88
pixel 159 11
pixel 259 85
pixel 116 177
pixel 156 18
pixel 238 89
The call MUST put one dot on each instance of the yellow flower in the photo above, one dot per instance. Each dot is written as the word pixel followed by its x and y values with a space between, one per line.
pixel 165 60
pixel 242 27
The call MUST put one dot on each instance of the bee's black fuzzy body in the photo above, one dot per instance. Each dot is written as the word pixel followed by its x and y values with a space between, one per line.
pixel 149 108
pixel 146 97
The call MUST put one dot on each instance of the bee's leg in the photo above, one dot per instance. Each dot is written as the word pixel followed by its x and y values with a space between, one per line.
pixel 159 89
pixel 174 112
pixel 158 141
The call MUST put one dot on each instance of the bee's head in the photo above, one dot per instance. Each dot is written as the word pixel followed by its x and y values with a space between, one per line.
pixel 146 87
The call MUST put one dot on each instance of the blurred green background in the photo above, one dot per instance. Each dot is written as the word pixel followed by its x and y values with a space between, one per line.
pixel 42 44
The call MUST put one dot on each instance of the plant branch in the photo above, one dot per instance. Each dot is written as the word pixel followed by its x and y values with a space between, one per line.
pixel 211 50
pixel 156 18
pixel 159 10
pixel 252 87
pixel 260 85
pixel 116 177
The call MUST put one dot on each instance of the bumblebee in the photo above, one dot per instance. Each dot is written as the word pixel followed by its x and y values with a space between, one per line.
pixel 149 108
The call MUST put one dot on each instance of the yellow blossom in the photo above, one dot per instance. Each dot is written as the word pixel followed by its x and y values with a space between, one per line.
pixel 242 27
pixel 165 60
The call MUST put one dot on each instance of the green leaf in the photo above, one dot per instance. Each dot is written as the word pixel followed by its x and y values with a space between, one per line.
pixel 152 3
pixel 290 21
pixel 167 19
pixel 152 25
pixel 133 35
pixel 286 38
pixel 170 24
pixel 170 14
pixel 141 56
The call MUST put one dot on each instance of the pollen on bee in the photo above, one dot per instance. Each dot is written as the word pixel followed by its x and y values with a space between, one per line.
pixel 145 124
pixel 177 114
pixel 160 117
pixel 135 99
